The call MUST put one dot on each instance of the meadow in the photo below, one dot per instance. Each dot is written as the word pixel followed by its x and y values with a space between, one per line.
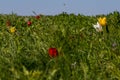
pixel 82 52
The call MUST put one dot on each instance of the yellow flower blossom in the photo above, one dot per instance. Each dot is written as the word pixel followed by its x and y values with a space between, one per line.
pixel 12 29
pixel 102 21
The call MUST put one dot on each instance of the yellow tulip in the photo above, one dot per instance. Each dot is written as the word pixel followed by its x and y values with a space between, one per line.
pixel 102 21
pixel 12 29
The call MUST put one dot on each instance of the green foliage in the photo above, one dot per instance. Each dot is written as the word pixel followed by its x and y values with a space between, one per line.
pixel 84 54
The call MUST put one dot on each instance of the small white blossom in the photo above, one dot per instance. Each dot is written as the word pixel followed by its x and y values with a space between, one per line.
pixel 98 27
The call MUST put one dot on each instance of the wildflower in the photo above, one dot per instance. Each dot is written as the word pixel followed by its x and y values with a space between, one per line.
pixel 73 65
pixel 12 29
pixel 102 21
pixel 8 23
pixel 37 16
pixel 114 44
pixel 98 27
pixel 53 52
pixel 29 23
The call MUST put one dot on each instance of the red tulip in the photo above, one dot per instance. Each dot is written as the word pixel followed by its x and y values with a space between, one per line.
pixel 29 23
pixel 37 16
pixel 53 52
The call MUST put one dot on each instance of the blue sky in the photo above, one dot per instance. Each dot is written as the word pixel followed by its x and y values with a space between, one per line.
pixel 52 7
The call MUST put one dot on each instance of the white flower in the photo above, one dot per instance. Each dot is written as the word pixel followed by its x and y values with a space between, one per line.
pixel 98 27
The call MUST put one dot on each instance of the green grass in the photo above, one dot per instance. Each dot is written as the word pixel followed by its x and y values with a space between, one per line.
pixel 84 54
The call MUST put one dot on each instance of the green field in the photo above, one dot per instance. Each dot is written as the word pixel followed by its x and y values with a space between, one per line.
pixel 83 53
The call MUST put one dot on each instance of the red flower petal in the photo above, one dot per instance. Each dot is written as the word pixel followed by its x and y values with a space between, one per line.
pixel 53 52
pixel 29 23
pixel 37 17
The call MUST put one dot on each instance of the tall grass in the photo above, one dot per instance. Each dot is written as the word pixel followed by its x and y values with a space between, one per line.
pixel 83 53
